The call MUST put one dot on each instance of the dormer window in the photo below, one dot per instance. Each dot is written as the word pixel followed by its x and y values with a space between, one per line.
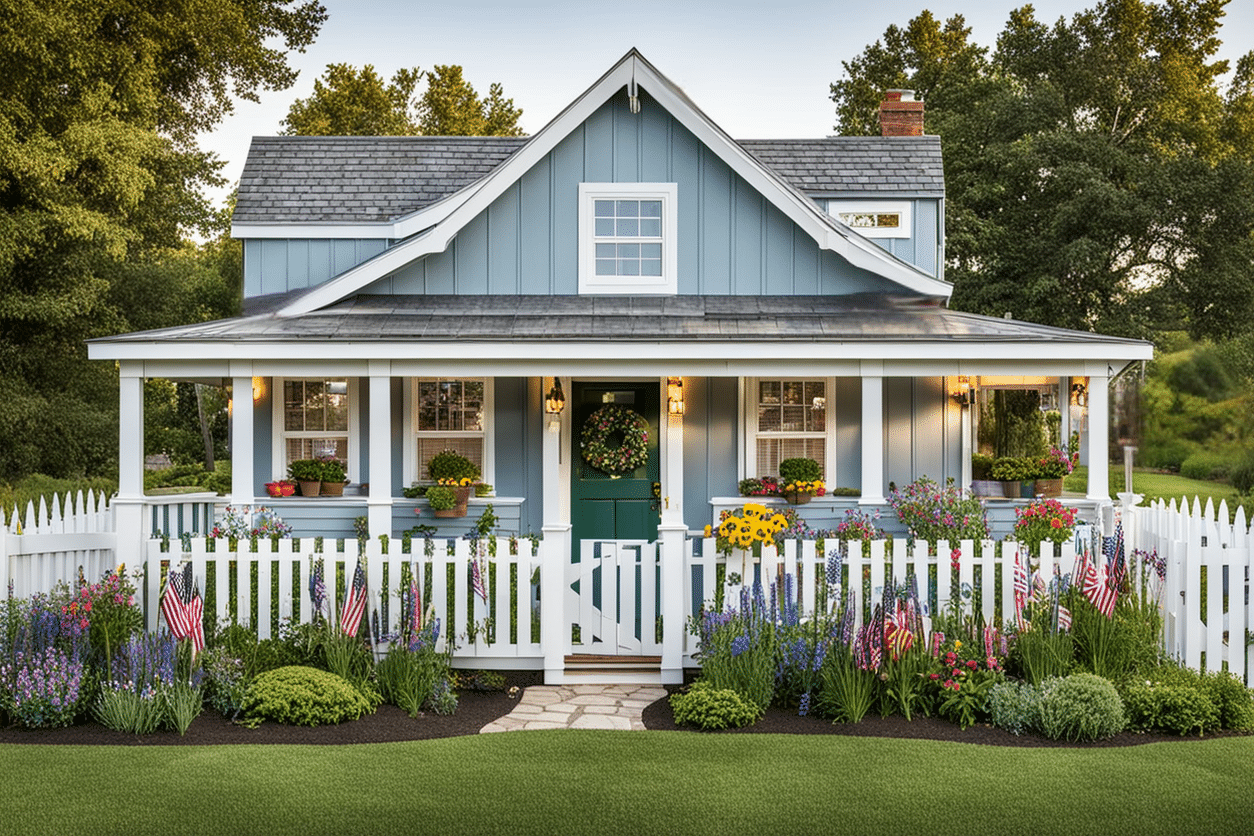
pixel 627 237
pixel 873 219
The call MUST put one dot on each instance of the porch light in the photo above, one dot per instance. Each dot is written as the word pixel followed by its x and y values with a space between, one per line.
pixel 675 395
pixel 1079 394
pixel 555 401
pixel 259 388
pixel 962 393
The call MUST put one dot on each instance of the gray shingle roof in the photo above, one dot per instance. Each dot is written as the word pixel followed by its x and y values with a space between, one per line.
pixel 291 179
pixel 359 179
pixel 855 166
pixel 504 319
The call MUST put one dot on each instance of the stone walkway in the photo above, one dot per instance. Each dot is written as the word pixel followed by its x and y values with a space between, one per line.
pixel 578 707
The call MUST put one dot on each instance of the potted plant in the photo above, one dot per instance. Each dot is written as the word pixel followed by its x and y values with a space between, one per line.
pixel 1041 520
pixel 451 469
pixel 333 477
pixel 800 480
pixel 982 482
pixel 443 501
pixel 308 474
pixel 1017 476
pixel 1051 470
pixel 281 487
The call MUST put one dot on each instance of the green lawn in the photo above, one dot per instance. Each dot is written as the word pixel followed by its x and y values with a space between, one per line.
pixel 1154 485
pixel 630 783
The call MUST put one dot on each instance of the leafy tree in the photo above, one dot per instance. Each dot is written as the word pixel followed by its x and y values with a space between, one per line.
pixel 1096 177
pixel 99 178
pixel 351 102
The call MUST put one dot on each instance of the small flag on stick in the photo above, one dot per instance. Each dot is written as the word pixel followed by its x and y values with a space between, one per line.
pixel 354 603
pixel 183 608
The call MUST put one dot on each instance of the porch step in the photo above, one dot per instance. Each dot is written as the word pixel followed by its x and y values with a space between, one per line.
pixel 594 669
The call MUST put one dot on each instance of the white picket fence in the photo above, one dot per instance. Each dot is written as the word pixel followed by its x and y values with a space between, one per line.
pixel 1205 597
pixel 74 537
pixel 270 586
pixel 612 591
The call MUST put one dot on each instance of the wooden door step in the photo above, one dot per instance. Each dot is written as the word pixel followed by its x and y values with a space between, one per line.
pixel 595 669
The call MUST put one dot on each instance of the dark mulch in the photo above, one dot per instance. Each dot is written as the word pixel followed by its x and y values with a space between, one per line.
pixel 475 709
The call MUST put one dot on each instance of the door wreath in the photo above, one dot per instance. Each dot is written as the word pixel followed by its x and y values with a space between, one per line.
pixel 604 423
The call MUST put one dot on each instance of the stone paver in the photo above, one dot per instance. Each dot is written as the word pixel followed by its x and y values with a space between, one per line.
pixel 578 707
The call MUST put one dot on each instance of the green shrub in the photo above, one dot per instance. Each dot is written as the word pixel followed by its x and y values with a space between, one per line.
pixel 708 708
pixel 1234 701
pixel 1242 476
pixel 1015 706
pixel 413 679
pixel 301 696
pixel 1167 453
pixel 1207 465
pixel 800 470
pixel 1179 709
pixel 1081 707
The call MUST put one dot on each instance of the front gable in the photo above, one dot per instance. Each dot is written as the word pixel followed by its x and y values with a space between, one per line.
pixel 734 212
pixel 729 239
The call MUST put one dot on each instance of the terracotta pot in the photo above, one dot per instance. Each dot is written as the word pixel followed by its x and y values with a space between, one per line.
pixel 1049 487
pixel 448 513
pixel 798 498
pixel 310 488
pixel 1012 490
pixel 333 488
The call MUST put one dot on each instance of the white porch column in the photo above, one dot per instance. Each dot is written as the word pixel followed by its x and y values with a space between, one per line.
pixel 379 502
pixel 128 505
pixel 872 433
pixel 243 485
pixel 672 539
pixel 555 547
pixel 1099 436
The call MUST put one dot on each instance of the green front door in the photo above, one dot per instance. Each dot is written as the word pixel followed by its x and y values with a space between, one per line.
pixel 605 506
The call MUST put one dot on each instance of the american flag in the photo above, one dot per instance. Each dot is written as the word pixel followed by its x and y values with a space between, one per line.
pixel 897 636
pixel 1116 561
pixel 1064 617
pixel 415 603
pixel 477 581
pixel 354 603
pixel 183 608
pixel 1021 591
pixel 1098 591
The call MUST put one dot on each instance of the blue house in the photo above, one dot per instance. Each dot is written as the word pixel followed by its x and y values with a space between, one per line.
pixel 749 301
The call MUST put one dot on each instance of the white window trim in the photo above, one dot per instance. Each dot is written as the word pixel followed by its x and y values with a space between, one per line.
pixel 749 421
pixel 903 208
pixel 668 282
pixel 410 471
pixel 277 433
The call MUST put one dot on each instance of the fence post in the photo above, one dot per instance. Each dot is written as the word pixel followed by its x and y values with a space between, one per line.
pixel 674 544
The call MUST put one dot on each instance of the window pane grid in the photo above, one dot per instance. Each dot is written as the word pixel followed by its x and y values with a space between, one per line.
pixel 637 220
pixel 449 415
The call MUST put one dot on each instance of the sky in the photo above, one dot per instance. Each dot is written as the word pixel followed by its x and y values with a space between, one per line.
pixel 758 69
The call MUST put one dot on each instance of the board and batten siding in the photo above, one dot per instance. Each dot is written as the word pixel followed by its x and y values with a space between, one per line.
pixel 923 431
pixel 922 247
pixel 731 240
pixel 280 265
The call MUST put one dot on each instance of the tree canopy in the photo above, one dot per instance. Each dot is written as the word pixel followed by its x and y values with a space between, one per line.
pixel 351 102
pixel 100 178
pixel 1097 176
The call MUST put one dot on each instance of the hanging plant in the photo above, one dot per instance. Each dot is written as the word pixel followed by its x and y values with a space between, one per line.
pixel 604 424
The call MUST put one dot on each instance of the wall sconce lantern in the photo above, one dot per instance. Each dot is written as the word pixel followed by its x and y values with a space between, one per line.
pixel 675 395
pixel 259 388
pixel 555 401
pixel 1079 394
pixel 962 393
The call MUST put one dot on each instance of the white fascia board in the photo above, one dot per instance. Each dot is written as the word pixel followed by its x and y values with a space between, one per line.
pixel 800 209
pixel 498 355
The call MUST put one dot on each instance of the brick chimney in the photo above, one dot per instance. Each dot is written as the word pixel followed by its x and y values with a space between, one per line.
pixel 900 114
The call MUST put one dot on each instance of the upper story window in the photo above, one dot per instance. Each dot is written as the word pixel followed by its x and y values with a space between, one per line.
pixel 627 235
pixel 873 219
pixel 315 421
